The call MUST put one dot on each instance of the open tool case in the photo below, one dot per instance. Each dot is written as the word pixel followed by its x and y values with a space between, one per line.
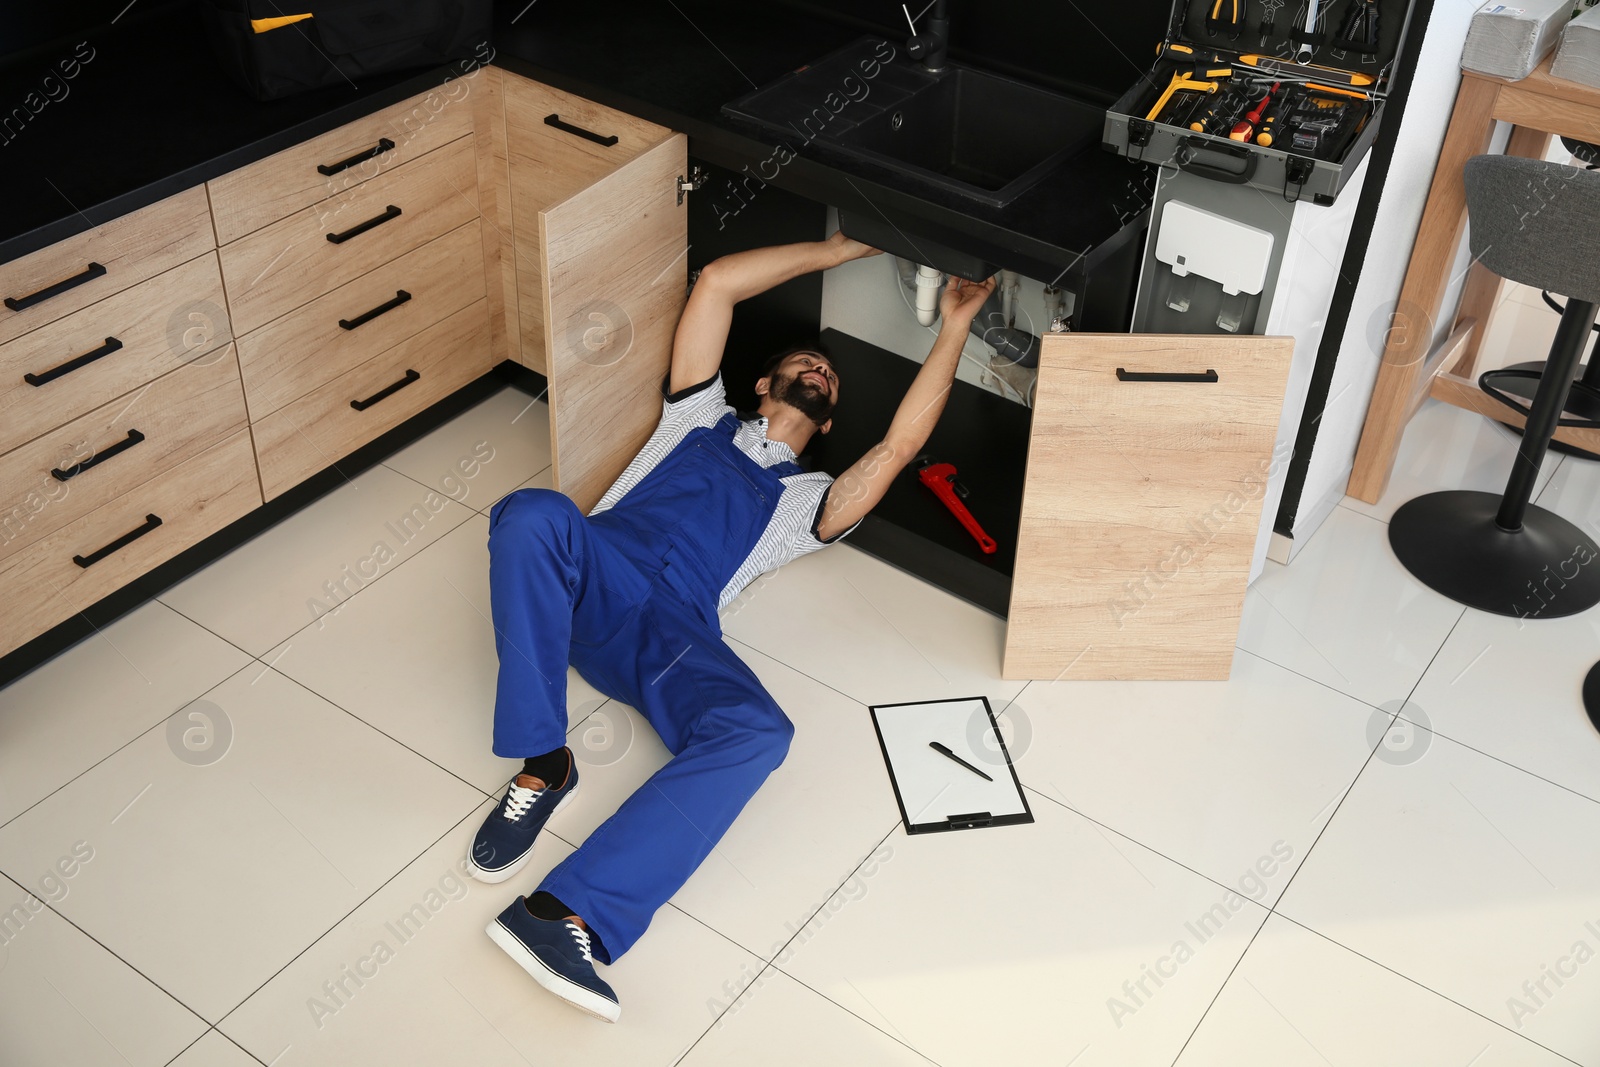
pixel 1312 135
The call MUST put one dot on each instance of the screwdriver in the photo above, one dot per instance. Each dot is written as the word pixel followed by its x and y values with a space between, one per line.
pixel 1246 127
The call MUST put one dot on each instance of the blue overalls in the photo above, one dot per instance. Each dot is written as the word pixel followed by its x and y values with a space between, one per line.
pixel 629 598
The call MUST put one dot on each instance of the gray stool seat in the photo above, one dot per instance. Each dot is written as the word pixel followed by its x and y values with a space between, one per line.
pixel 1537 223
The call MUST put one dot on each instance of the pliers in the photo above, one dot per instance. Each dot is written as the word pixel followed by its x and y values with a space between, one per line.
pixel 1234 23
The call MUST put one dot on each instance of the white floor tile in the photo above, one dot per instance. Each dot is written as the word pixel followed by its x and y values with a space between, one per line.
pixel 1514 688
pixel 545 479
pixel 1025 945
pixel 65 999
pixel 483 453
pixel 214 1050
pixel 318 558
pixel 1446 447
pixel 98 695
pixel 869 630
pixel 809 826
pixel 209 876
pixel 777 1022
pixel 1347 614
pixel 414 656
pixel 1473 878
pixel 1574 494
pixel 443 993
pixel 1233 779
pixel 1298 1000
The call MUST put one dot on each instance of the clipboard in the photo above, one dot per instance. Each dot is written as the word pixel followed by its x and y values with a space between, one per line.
pixel 936 792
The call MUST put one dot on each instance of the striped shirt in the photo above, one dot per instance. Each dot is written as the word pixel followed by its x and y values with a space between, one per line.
pixel 792 531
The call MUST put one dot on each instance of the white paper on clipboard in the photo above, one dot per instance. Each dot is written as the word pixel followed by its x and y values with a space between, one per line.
pixel 933 790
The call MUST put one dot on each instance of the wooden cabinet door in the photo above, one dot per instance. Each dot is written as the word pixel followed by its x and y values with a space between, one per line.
pixel 1141 503
pixel 614 263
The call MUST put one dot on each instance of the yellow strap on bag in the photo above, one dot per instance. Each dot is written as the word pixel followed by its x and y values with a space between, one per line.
pixel 263 25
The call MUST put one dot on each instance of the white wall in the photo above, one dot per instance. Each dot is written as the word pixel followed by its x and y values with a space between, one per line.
pixel 1405 190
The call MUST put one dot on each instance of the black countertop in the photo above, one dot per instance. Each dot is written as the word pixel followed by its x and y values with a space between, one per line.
pixel 150 113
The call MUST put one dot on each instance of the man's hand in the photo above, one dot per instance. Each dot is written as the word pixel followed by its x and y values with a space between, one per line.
pixel 961 300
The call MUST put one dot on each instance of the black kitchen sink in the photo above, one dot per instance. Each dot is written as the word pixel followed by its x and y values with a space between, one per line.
pixel 981 136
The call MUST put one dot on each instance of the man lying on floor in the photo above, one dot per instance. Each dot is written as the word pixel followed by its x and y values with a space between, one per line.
pixel 629 596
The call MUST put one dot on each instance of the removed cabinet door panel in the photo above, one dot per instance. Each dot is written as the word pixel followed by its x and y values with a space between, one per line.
pixel 614 263
pixel 1147 467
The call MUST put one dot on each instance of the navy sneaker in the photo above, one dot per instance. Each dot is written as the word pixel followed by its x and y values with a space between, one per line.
pixel 556 953
pixel 505 840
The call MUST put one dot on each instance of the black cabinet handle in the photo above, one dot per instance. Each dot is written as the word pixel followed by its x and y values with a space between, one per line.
pixel 1162 376
pixel 23 303
pixel 579 131
pixel 111 345
pixel 330 169
pixel 400 297
pixel 133 438
pixel 386 391
pixel 391 212
pixel 150 523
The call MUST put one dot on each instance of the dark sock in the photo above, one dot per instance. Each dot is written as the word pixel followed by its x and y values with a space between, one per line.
pixel 543 905
pixel 550 768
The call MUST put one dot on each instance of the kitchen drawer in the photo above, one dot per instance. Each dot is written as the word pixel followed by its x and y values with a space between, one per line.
pixel 307 435
pixel 308 347
pixel 117 447
pixel 144 332
pixel 294 260
pixel 1147 468
pixel 90 266
pixel 249 198
pixel 552 162
pixel 45 583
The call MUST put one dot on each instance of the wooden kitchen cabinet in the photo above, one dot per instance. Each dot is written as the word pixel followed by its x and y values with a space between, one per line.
pixel 1141 504
pixel 598 247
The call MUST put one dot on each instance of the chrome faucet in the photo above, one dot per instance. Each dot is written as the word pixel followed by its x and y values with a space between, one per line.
pixel 930 46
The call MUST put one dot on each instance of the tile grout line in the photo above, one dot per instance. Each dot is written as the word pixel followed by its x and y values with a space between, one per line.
pixel 1273 909
pixel 153 726
pixel 1420 985
pixel 770 964
pixel 354 908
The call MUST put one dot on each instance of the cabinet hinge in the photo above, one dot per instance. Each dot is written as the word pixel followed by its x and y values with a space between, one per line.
pixel 695 180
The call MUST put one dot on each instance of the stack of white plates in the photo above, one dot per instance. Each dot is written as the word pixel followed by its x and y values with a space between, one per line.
pixel 1578 58
pixel 1507 40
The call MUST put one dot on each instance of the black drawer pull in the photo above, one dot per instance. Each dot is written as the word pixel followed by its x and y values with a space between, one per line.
pixel 330 169
pixel 1162 376
pixel 111 345
pixel 386 391
pixel 400 297
pixel 567 127
pixel 133 438
pixel 150 523
pixel 391 212
pixel 23 303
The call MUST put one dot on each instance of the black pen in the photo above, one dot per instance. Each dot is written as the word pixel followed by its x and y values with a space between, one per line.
pixel 937 747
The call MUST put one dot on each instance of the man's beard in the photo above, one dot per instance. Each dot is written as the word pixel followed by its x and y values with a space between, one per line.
pixel 806 397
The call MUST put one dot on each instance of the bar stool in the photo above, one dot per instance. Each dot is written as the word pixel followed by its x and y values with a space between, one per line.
pixel 1536 223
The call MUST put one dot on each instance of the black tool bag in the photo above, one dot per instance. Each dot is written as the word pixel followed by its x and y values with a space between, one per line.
pixel 275 48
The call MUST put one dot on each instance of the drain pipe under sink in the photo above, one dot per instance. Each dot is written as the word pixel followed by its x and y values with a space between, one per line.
pixel 929 282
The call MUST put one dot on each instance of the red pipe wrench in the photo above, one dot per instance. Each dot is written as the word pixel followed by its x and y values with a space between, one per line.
pixel 941 478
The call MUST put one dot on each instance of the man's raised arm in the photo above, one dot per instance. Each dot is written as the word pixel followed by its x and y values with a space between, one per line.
pixel 703 330
pixel 858 489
